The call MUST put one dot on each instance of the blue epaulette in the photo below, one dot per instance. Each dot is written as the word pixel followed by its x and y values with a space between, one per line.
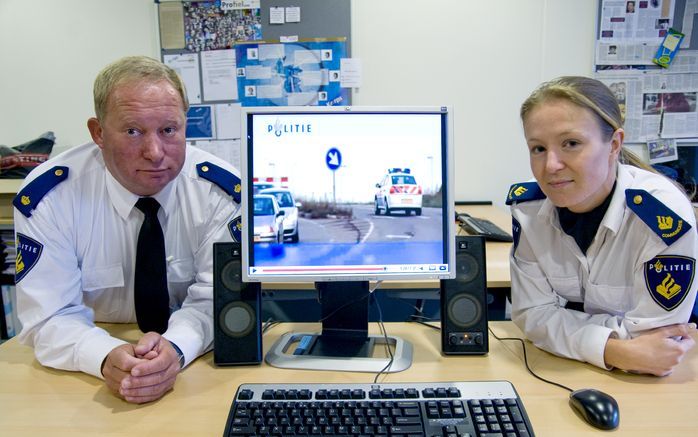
pixel 523 192
pixel 30 196
pixel 663 221
pixel 223 178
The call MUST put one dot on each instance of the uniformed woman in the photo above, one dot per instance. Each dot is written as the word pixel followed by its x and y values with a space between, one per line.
pixel 602 268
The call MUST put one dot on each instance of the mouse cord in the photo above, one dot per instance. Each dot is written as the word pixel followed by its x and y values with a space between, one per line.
pixel 523 345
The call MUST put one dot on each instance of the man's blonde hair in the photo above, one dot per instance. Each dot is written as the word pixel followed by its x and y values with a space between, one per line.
pixel 134 69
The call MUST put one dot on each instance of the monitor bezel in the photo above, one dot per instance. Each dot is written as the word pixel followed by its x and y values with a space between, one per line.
pixel 449 209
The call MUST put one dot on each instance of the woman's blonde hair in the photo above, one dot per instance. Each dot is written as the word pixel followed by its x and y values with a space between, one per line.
pixel 590 94
pixel 599 99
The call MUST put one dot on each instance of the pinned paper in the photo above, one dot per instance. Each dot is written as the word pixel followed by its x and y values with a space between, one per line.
pixel 276 15
pixel 662 150
pixel 350 73
pixel 293 14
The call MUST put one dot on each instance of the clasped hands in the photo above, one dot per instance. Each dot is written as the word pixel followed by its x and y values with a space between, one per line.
pixel 141 372
pixel 655 352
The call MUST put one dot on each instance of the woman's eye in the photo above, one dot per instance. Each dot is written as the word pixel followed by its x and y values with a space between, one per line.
pixel 535 150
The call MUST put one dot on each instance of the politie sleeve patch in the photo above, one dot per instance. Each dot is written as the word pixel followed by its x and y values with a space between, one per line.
pixel 28 253
pixel 516 232
pixel 235 227
pixel 669 279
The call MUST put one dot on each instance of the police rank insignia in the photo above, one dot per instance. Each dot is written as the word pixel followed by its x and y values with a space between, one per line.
pixel 28 253
pixel 523 192
pixel 235 227
pixel 669 279
pixel 663 221
pixel 27 199
pixel 227 181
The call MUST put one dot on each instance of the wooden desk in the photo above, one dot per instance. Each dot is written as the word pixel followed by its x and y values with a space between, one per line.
pixel 35 400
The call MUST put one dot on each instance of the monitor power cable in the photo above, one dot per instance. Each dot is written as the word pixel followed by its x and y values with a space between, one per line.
pixel 385 336
pixel 352 302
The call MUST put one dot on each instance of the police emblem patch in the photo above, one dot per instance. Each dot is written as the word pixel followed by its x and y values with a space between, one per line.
pixel 235 227
pixel 28 253
pixel 516 231
pixel 669 279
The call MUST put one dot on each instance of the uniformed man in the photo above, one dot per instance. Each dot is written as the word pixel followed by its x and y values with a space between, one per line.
pixel 602 268
pixel 121 230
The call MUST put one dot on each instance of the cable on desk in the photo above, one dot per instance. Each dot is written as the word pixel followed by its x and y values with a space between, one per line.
pixel 424 322
pixel 385 336
pixel 269 324
pixel 523 344
pixel 352 302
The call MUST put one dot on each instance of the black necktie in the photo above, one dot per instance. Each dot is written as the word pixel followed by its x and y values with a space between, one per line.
pixel 150 285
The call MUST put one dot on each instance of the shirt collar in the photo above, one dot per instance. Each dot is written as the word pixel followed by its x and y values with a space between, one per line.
pixel 124 201
pixel 616 210
pixel 614 214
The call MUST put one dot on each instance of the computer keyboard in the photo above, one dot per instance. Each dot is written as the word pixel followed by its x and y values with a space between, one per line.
pixel 483 227
pixel 483 408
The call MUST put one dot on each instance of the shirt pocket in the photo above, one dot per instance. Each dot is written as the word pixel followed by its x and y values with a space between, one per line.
pixel 98 278
pixel 567 287
pixel 610 299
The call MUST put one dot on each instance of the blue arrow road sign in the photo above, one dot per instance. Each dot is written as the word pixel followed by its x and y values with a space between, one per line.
pixel 333 159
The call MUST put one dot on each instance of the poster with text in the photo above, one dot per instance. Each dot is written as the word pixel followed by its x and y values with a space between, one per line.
pixel 298 73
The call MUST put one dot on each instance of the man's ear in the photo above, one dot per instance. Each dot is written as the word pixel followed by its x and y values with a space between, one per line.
pixel 95 128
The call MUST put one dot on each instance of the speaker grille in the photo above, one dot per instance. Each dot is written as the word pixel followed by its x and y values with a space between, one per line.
pixel 464 310
pixel 467 267
pixel 237 319
pixel 231 275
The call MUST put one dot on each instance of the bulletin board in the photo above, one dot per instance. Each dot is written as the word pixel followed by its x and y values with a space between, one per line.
pixel 629 35
pixel 199 38
pixel 659 104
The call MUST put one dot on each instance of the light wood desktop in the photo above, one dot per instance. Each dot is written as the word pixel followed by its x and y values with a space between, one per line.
pixel 35 400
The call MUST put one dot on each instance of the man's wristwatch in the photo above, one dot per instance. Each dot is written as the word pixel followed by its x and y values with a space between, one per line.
pixel 180 354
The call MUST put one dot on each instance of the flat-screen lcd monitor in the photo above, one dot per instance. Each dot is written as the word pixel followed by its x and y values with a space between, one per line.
pixel 340 196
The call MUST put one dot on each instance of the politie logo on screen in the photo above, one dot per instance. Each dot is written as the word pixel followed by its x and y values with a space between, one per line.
pixel 279 128
pixel 669 279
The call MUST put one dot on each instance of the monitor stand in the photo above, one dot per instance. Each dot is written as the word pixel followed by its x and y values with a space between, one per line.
pixel 344 344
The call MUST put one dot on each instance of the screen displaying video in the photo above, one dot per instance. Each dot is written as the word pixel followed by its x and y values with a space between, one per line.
pixel 347 194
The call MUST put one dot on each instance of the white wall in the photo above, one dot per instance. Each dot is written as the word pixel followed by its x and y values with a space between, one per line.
pixel 50 53
pixel 481 57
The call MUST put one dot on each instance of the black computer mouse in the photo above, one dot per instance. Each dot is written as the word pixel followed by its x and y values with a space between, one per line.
pixel 596 407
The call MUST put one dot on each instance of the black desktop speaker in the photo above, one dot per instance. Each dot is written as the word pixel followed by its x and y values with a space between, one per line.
pixel 237 335
pixel 464 301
